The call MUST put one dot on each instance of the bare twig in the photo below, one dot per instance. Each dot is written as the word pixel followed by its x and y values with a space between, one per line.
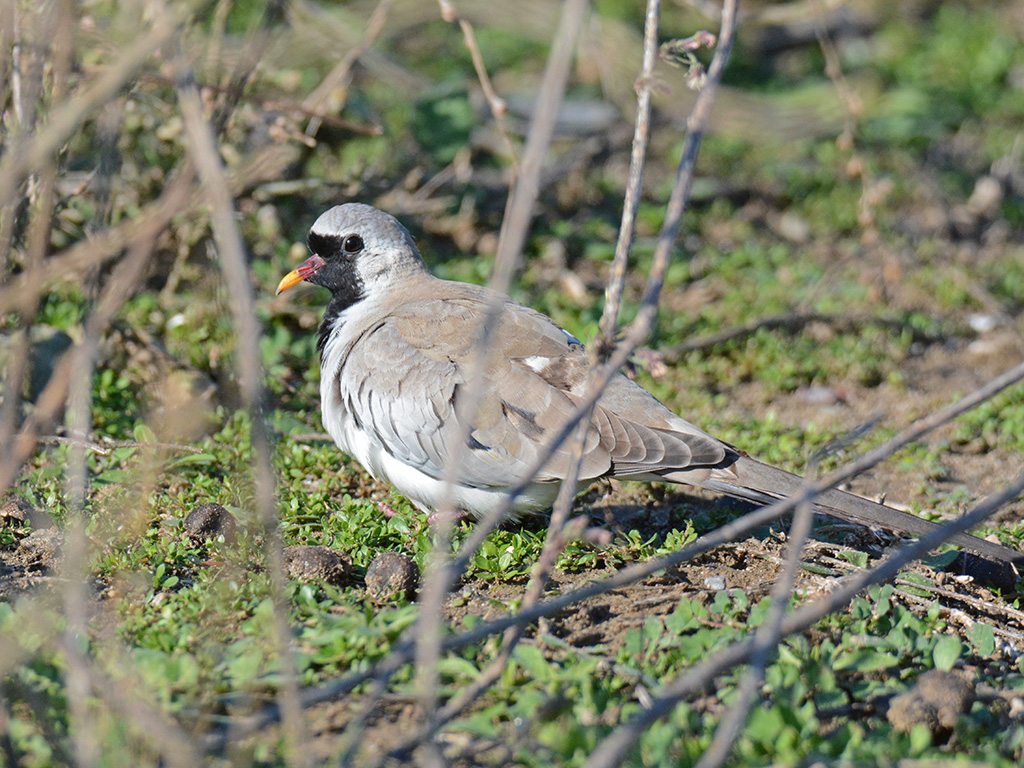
pixel 8 42
pixel 34 151
pixel 119 288
pixel 495 102
pixel 853 106
pixel 55 27
pixel 315 104
pixel 554 543
pixel 731 531
pixel 614 747
pixel 766 637
pixel 175 746
pixel 1005 612
pixel 278 104
pixel 518 214
pixel 21 291
pixel 631 201
pixel 555 539
pixel 234 268
pixel 794 322
pixel 643 323
pixel 19 447
pixel 107 447
pixel 680 194
pixel 6 745
pixel 519 210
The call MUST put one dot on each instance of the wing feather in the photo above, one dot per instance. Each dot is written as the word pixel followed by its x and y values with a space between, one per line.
pixel 405 377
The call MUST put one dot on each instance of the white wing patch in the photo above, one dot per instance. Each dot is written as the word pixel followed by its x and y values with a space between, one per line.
pixel 537 363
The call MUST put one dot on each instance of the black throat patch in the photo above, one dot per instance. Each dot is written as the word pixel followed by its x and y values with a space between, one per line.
pixel 338 275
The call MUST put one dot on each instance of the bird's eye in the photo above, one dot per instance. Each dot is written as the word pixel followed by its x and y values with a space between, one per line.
pixel 352 244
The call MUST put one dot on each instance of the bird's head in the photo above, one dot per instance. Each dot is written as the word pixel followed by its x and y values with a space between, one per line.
pixel 356 250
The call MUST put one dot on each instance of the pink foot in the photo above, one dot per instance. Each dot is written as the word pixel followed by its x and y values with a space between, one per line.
pixel 435 517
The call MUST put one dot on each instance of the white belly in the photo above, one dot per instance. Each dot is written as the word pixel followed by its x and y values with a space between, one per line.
pixel 426 492
pixel 423 489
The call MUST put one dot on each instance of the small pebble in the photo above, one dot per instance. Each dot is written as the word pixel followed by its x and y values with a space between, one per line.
pixel 15 511
pixel 392 574
pixel 312 562
pixel 982 322
pixel 818 394
pixel 716 583
pixel 208 521
pixel 987 197
pixel 41 547
pixel 791 226
pixel 937 699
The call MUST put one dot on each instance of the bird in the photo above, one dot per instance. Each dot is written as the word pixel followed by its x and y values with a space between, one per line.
pixel 396 351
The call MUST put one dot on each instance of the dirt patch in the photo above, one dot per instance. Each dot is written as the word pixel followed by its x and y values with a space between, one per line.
pixel 605 619
pixel 30 563
pixel 933 377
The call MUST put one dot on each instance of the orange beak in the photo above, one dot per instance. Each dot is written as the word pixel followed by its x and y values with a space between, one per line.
pixel 304 271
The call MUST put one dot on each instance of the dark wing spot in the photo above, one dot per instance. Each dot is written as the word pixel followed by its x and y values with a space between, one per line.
pixel 475 444
pixel 567 370
pixel 523 420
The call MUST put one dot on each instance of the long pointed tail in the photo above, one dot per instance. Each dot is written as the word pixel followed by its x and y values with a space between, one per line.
pixel 751 480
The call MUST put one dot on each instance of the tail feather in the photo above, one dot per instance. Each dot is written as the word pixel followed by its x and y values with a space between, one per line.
pixel 753 481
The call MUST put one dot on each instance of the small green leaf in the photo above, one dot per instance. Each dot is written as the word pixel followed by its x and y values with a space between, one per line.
pixel 865 660
pixel 860 559
pixel 947 651
pixel 941 560
pixel 114 477
pixel 192 458
pixel 765 725
pixel 456 667
pixel 920 738
pixel 983 638
pixel 531 658
pixel 919 579
pixel 144 434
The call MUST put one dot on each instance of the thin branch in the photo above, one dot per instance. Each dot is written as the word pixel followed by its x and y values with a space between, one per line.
pixel 794 322
pixel 1005 612
pixel 680 194
pixel 119 289
pixel 235 271
pixel 611 751
pixel 555 538
pixel 513 234
pixel 279 105
pixel 34 151
pixel 402 653
pixel 519 211
pixel 766 638
pixel 316 102
pixel 175 746
pixel 496 103
pixel 19 447
pixel 554 543
pixel 107 447
pixel 638 158
pixel 643 323
pixel 96 250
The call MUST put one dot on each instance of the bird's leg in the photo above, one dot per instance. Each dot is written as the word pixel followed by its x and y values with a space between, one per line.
pixel 451 517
